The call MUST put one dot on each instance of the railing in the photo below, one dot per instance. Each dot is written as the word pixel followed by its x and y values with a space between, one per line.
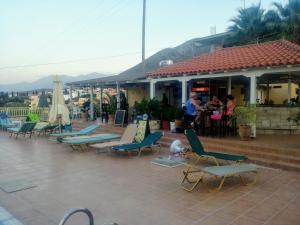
pixel 89 214
pixel 22 112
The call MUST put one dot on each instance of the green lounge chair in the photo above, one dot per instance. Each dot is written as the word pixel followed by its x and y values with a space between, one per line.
pixel 26 128
pixel 84 131
pixel 150 141
pixel 80 141
pixel 44 128
pixel 198 149
pixel 221 172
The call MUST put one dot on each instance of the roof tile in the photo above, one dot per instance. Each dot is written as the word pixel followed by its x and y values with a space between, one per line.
pixel 275 53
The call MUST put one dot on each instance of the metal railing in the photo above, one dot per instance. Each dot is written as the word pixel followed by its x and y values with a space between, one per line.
pixel 21 112
pixel 71 212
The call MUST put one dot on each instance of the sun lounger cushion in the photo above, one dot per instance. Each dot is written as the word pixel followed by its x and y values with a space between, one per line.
pixel 230 169
pixel 91 139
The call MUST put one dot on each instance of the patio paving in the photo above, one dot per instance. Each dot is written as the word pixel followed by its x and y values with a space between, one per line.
pixel 133 191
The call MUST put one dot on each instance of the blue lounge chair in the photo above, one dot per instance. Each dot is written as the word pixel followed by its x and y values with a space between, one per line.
pixel 84 131
pixel 6 123
pixel 26 128
pixel 150 141
pixel 81 141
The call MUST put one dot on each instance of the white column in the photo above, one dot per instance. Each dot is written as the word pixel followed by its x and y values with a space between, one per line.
pixel 71 96
pixel 152 89
pixel 91 103
pixel 118 96
pixel 229 85
pixel 183 92
pixel 289 89
pixel 253 91
pixel 100 103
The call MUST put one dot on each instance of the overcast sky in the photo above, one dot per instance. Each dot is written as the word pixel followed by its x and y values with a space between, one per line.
pixel 83 36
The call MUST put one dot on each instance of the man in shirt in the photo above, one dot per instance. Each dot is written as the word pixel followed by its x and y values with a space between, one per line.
pixel 192 106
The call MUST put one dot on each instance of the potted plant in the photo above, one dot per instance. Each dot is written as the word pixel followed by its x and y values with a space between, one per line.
pixel 246 118
pixel 168 115
pixel 111 108
pixel 179 118
pixel 140 108
pixel 154 109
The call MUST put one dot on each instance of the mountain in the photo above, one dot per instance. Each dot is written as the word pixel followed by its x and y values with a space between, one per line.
pixel 189 49
pixel 47 82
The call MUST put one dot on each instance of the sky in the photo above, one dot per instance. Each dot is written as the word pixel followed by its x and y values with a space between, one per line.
pixel 41 38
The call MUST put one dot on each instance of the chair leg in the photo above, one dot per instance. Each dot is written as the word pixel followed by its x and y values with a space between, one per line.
pixel 194 182
pixel 251 183
pixel 217 188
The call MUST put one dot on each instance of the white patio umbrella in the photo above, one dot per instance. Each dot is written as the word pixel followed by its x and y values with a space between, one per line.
pixel 59 112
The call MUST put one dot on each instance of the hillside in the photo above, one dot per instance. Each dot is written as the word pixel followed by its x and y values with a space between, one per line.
pixel 46 82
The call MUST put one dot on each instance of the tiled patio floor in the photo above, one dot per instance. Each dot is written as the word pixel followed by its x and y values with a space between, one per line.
pixel 132 191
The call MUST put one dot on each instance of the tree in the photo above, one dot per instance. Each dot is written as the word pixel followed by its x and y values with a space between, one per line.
pixel 289 15
pixel 248 26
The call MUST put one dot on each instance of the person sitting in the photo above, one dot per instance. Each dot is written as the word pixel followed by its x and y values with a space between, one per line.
pixel 192 106
pixel 230 105
pixel 215 103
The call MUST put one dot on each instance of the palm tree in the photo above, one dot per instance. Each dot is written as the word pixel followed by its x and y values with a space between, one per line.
pixel 290 19
pixel 249 25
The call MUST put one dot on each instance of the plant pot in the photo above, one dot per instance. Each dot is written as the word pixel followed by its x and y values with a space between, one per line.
pixel 111 118
pixel 166 125
pixel 245 132
pixel 172 126
pixel 154 124
pixel 178 124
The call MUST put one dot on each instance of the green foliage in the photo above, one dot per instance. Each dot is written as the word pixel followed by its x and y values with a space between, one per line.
pixel 168 113
pixel 254 24
pixel 141 107
pixel 17 101
pixel 179 113
pixel 295 119
pixel 33 117
pixel 290 19
pixel 112 104
pixel 154 108
pixel 246 114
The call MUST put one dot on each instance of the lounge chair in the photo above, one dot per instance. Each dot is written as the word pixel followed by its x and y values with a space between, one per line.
pixel 84 131
pixel 44 128
pixel 26 128
pixel 127 138
pixel 150 141
pixel 81 141
pixel 200 153
pixel 6 123
pixel 221 172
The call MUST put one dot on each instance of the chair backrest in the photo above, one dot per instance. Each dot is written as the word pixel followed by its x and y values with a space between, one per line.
pixel 89 129
pixel 30 126
pixel 152 138
pixel 129 133
pixel 25 127
pixel 194 141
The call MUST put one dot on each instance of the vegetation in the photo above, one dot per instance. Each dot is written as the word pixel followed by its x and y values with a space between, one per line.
pixel 295 119
pixel 254 24
pixel 18 101
pixel 154 109
pixel 246 115
pixel 141 108
pixel 112 104
pixel 179 113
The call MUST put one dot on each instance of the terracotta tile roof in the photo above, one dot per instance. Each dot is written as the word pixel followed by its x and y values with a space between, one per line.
pixel 268 54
